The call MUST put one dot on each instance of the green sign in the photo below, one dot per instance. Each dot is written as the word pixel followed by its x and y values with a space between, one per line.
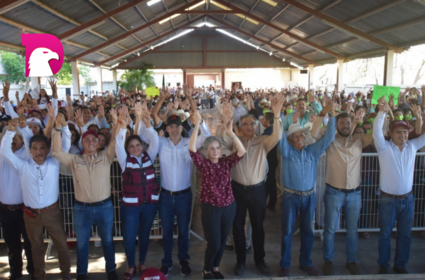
pixel 379 91
pixel 152 91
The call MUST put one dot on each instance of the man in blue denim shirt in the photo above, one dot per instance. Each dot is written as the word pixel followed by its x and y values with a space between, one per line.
pixel 299 167
pixel 302 110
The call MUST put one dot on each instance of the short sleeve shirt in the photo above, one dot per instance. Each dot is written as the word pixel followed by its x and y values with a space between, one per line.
pixel 216 188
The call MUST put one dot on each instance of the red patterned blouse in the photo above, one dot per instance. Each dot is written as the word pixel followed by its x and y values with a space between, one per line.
pixel 215 179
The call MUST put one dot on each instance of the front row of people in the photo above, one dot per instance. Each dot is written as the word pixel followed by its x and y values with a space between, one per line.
pixel 230 187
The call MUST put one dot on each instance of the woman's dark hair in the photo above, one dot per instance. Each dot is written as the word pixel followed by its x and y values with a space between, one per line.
pixel 99 134
pixel 40 138
pixel 93 127
pixel 358 108
pixel 359 126
pixel 131 138
pixel 77 136
pixel 47 97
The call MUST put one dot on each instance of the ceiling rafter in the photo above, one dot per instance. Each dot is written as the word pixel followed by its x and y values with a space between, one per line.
pixel 340 25
pixel 296 37
pixel 367 14
pixel 7 5
pixel 125 35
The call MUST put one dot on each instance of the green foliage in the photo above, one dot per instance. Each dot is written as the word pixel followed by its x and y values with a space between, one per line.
pixel 142 78
pixel 64 76
pixel 14 65
pixel 85 73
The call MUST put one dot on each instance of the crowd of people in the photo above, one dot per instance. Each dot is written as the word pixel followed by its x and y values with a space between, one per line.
pixel 43 137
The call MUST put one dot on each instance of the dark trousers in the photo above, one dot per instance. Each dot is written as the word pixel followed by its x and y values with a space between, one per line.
pixel 217 222
pixel 12 223
pixel 271 190
pixel 254 201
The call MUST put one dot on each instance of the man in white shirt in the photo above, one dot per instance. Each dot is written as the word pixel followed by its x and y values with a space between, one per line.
pixel 40 188
pixel 396 201
pixel 211 97
pixel 238 111
pixel 11 216
pixel 176 193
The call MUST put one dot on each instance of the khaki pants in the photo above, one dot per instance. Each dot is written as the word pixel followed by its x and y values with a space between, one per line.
pixel 53 222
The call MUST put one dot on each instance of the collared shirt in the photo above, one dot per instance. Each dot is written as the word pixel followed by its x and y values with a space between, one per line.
pixel 251 170
pixel 91 174
pixel 305 119
pixel 343 160
pixel 396 166
pixel 10 182
pixel 40 183
pixel 175 160
pixel 299 168
pixel 152 151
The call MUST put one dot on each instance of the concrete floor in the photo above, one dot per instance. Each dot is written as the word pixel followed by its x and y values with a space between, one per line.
pixel 367 256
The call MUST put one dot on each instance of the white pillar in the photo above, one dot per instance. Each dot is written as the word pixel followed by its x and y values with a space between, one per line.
pixel 35 81
pixel 388 71
pixel 75 79
pixel 114 80
pixel 99 81
pixel 310 76
pixel 340 74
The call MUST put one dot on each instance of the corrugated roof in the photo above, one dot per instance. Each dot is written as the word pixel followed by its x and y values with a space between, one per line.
pixel 377 18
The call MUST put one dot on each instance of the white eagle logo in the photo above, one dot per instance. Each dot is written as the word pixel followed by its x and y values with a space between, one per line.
pixel 39 62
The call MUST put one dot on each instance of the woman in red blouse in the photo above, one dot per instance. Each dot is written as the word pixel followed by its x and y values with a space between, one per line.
pixel 217 202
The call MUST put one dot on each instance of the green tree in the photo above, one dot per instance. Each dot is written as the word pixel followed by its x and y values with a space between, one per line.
pixel 64 76
pixel 142 78
pixel 85 73
pixel 14 65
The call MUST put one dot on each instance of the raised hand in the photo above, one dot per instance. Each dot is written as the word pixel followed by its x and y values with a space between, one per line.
pixel 60 121
pixel 146 118
pixel 6 87
pixel 198 118
pixel 114 116
pixel 79 118
pixel 101 112
pixel 13 124
pixel 295 117
pixel 310 96
pixel 417 111
pixel 20 111
pixel 53 85
pixel 51 111
pixel 22 121
pixel 277 105
pixel 138 109
pixel 383 105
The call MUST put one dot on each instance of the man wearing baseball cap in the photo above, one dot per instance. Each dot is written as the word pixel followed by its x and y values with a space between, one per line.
pixel 91 175
pixel 176 192
pixel 396 201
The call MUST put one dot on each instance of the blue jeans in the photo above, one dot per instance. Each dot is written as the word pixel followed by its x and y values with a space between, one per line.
pixel 391 210
pixel 180 206
pixel 293 204
pixel 334 201
pixel 137 220
pixel 103 217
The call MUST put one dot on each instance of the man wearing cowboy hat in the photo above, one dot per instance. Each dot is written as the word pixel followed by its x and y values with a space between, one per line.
pixel 302 110
pixel 299 167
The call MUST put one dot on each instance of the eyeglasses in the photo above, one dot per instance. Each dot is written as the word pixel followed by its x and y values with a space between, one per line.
pixel 88 140
pixel 248 124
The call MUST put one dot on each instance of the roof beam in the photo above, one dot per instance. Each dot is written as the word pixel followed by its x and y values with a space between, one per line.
pixel 7 5
pixel 166 8
pixel 296 37
pixel 143 16
pixel 340 25
pixel 125 35
pixel 100 18
pixel 273 18
pixel 352 20
pixel 34 30
pixel 250 10
pixel 145 44
pixel 262 41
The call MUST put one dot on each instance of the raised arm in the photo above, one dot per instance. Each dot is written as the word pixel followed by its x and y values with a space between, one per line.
pixel 274 138
pixel 7 106
pixel 119 144
pixel 320 146
pixel 194 137
pixel 417 112
pixel 49 126
pixel 378 136
pixel 6 146
pixel 163 94
pixel 240 149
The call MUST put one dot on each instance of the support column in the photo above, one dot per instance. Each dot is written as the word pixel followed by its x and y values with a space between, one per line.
pixel 310 75
pixel 184 77
pixel 340 74
pixel 35 81
pixel 114 80
pixel 388 68
pixel 75 79
pixel 99 81
pixel 223 78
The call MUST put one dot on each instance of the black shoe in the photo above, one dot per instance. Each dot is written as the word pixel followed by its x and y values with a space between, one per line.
pixel 209 275
pixel 383 270
pixel 400 270
pixel 165 269
pixel 263 268
pixel 15 276
pixel 112 275
pixel 218 275
pixel 81 277
pixel 228 248
pixel 239 269
pixel 184 265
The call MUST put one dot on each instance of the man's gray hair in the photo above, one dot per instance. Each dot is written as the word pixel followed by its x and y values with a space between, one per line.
pixel 248 116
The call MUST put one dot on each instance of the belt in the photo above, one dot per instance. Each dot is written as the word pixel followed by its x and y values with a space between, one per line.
pixel 93 203
pixel 46 209
pixel 12 207
pixel 248 187
pixel 300 193
pixel 176 193
pixel 401 196
pixel 345 190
